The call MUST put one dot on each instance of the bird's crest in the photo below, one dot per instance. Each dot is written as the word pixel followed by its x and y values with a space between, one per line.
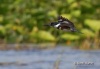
pixel 61 19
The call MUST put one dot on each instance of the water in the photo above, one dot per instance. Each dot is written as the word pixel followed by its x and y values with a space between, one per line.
pixel 47 59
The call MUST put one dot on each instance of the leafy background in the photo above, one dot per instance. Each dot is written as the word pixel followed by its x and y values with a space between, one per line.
pixel 21 21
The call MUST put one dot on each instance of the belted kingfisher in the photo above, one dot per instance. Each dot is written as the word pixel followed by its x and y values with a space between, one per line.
pixel 63 24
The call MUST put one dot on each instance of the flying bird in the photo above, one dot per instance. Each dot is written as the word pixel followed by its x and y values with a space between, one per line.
pixel 63 24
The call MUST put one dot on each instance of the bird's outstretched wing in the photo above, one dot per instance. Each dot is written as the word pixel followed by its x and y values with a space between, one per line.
pixel 65 21
pixel 67 24
pixel 61 19
pixel 64 26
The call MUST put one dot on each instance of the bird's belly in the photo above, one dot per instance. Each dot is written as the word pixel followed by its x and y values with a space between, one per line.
pixel 65 27
pixel 67 30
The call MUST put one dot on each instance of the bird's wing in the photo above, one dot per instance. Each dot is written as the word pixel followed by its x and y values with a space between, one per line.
pixel 65 21
pixel 64 26
pixel 70 24
pixel 61 19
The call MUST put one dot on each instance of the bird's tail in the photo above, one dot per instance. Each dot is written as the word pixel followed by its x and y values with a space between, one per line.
pixel 74 30
pixel 79 32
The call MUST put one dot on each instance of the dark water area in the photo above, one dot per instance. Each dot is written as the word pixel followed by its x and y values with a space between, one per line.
pixel 47 59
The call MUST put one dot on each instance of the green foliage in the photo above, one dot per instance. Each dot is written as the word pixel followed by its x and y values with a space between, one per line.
pixel 42 36
pixel 23 20
pixel 93 24
pixel 88 33
pixel 69 37
pixel 45 36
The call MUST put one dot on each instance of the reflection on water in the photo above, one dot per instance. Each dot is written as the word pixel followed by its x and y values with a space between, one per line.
pixel 46 59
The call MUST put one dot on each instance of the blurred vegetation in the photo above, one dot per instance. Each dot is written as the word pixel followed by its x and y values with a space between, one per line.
pixel 21 21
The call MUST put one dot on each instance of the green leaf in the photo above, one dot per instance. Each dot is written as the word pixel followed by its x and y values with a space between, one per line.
pixel 87 33
pixel 1 18
pixel 76 13
pixel 74 5
pixel 67 16
pixel 46 36
pixel 93 24
pixel 69 37
pixel 2 30
pixel 70 1
pixel 52 13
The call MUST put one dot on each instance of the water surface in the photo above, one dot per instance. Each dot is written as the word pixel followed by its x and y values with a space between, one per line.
pixel 66 58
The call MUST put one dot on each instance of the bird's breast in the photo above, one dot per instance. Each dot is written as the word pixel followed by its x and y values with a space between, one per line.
pixel 57 25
